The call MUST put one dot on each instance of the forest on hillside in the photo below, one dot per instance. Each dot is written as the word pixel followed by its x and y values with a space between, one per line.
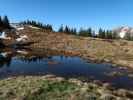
pixel 89 32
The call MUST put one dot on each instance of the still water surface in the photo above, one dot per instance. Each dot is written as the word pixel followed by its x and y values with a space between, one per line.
pixel 23 62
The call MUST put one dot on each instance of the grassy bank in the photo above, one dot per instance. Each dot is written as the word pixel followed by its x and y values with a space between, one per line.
pixel 118 52
pixel 49 87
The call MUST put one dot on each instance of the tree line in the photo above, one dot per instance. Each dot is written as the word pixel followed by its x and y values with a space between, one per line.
pixel 4 23
pixel 67 30
pixel 89 32
pixel 38 24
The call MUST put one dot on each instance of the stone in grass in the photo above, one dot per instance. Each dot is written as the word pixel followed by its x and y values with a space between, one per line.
pixel 106 85
pixel 49 76
pixel 121 92
pixel 130 75
pixel 98 82
pixel 107 96
pixel 121 98
pixel 60 79
pixel 91 96
pixel 78 82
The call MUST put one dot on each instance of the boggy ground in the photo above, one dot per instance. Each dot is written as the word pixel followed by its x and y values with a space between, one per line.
pixel 50 87
pixel 119 52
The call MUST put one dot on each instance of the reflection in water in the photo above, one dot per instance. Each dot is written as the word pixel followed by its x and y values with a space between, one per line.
pixel 31 59
pixel 35 62
pixel 5 59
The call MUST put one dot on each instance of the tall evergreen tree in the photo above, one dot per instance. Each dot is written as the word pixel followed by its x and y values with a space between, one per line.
pixel 100 33
pixel 6 22
pixel 61 29
pixel 1 23
pixel 89 32
pixel 67 30
pixel 85 32
pixel 108 34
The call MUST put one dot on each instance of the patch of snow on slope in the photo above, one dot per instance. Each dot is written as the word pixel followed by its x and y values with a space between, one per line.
pixel 4 36
pixel 33 27
pixel 122 34
pixel 123 31
pixel 17 26
pixel 23 38
pixel 20 28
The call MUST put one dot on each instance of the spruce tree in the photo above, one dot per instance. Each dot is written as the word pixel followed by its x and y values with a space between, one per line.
pixel 67 30
pixel 89 32
pixel 6 22
pixel 1 23
pixel 100 33
pixel 61 29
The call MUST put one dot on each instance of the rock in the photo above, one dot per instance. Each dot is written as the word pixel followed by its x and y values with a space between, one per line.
pixel 119 98
pixel 130 75
pixel 114 74
pixel 98 82
pixel 103 91
pixel 121 92
pixel 106 85
pixel 129 94
pixel 91 96
pixel 92 86
pixel 107 97
pixel 106 60
pixel 78 82
pixel 59 79
pixel 36 91
pixel 84 89
pixel 49 76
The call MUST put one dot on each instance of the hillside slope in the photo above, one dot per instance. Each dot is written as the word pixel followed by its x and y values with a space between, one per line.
pixel 115 51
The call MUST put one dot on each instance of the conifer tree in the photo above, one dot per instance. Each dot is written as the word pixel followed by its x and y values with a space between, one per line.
pixel 61 29
pixel 89 32
pixel 67 30
pixel 85 32
pixel 6 22
pixel 100 33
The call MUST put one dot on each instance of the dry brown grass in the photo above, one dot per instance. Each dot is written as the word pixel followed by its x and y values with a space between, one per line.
pixel 115 51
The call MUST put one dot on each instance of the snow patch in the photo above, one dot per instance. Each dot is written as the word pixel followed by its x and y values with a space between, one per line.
pixel 122 34
pixel 4 36
pixel 22 38
pixel 33 27
pixel 20 28
pixel 17 26
pixel 22 52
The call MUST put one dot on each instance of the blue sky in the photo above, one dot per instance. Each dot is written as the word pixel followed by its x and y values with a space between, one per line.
pixel 76 13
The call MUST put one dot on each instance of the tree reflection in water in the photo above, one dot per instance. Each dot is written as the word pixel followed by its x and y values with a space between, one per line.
pixel 34 59
pixel 23 55
pixel 5 59
pixel 28 56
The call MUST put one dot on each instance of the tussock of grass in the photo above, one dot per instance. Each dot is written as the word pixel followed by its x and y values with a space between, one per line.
pixel 39 88
pixel 55 88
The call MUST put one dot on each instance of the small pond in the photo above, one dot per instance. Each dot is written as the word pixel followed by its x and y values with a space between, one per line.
pixel 29 62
